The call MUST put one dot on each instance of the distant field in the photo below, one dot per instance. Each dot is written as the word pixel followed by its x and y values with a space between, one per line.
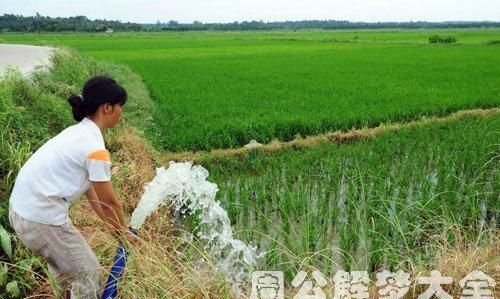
pixel 219 90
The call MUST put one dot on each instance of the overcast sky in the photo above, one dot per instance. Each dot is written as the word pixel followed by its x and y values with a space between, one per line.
pixel 149 11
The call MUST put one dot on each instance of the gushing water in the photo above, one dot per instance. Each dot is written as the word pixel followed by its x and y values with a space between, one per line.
pixel 184 187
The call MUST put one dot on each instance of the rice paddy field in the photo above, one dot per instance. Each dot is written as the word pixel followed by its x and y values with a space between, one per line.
pixel 392 200
pixel 384 202
pixel 220 90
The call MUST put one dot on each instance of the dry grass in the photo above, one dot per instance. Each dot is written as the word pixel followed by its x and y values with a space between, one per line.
pixel 168 266
pixel 159 267
pixel 133 164
pixel 460 260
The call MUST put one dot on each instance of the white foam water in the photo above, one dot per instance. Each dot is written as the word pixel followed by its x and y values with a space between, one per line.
pixel 184 187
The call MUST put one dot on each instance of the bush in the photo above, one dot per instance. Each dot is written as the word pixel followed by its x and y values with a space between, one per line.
pixel 436 39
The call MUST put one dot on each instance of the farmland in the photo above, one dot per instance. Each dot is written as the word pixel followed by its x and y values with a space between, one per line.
pixel 367 204
pixel 391 200
pixel 220 90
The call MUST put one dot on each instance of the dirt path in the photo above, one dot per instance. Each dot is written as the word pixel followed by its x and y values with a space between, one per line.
pixel 24 57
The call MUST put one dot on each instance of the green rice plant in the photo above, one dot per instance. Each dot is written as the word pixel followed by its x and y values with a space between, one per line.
pixel 220 90
pixel 376 203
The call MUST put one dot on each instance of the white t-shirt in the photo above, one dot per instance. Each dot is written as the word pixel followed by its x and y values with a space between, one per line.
pixel 59 172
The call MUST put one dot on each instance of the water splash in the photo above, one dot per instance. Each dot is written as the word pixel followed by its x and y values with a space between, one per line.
pixel 184 187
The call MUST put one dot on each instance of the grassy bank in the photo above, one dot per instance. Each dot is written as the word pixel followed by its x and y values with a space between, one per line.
pixel 31 112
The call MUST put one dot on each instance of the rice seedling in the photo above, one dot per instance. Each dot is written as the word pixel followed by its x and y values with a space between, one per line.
pixel 370 204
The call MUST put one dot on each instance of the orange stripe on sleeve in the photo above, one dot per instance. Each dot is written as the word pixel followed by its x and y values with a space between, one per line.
pixel 101 155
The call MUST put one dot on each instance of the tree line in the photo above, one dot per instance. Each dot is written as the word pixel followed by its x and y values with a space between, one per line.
pixel 10 22
pixel 315 24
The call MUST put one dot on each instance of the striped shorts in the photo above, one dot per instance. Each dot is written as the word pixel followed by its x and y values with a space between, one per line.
pixel 70 260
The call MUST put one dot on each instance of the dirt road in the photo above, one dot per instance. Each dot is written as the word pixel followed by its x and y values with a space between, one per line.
pixel 24 57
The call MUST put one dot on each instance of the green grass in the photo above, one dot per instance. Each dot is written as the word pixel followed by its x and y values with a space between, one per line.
pixel 219 90
pixel 31 112
pixel 389 201
pixel 464 36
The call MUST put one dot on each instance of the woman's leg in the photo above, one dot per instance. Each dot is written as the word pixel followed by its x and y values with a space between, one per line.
pixel 71 260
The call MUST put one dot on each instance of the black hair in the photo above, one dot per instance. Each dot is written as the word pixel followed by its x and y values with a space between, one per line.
pixel 96 91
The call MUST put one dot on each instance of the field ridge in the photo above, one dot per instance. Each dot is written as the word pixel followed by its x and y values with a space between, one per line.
pixel 316 140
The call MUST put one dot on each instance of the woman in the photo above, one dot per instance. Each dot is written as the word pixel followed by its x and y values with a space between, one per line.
pixel 70 164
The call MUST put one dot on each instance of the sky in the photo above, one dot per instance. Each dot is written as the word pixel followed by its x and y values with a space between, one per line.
pixel 223 11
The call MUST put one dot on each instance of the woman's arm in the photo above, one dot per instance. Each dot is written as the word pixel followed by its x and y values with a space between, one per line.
pixel 95 203
pixel 104 202
pixel 110 207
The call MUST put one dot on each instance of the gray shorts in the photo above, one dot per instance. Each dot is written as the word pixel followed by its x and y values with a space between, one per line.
pixel 70 260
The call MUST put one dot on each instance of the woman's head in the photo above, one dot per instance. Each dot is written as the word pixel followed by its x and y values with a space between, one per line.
pixel 97 91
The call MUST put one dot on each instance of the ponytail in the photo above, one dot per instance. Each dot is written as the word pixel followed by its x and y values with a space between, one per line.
pixel 77 106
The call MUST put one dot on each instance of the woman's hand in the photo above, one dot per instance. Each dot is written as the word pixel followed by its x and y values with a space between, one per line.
pixel 133 239
pixel 127 236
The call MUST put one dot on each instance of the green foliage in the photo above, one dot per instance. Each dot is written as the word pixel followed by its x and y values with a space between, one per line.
pixel 81 23
pixel 17 269
pixel 31 112
pixel 4 272
pixel 35 23
pixel 5 242
pixel 436 39
pixel 222 90
pixel 12 289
